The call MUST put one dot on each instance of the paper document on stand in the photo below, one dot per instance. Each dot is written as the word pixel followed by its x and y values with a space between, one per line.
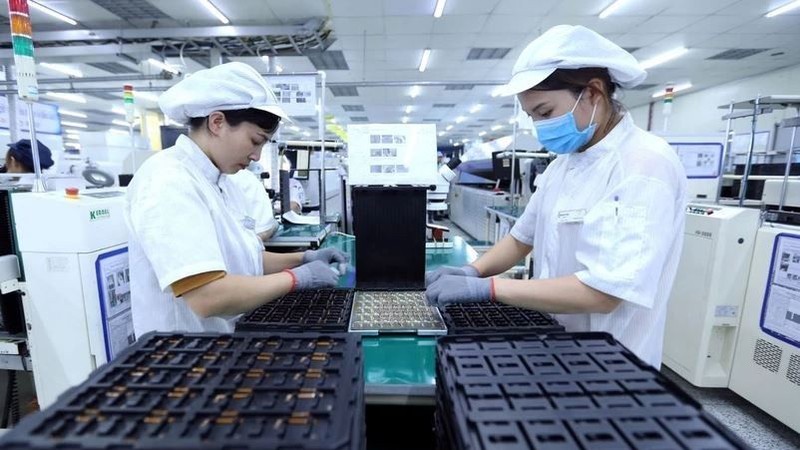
pixel 293 217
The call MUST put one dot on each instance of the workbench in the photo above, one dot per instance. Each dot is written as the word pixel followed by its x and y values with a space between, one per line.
pixel 401 369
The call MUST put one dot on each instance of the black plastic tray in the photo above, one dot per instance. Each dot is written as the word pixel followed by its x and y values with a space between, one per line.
pixel 209 391
pixel 321 310
pixel 477 318
pixel 563 391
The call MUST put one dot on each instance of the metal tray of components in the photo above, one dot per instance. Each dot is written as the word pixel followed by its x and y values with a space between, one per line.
pixel 321 310
pixel 491 317
pixel 379 312
pixel 563 391
pixel 212 391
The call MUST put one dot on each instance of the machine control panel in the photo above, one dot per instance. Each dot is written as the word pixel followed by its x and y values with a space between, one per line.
pixel 700 210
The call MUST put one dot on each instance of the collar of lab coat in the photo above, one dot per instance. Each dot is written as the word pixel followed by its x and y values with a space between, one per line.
pixel 611 142
pixel 199 159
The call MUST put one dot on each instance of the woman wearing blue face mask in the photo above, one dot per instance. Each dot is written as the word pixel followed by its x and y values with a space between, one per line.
pixel 606 224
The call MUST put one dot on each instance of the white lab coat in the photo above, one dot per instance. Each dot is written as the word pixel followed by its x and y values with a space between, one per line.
pixel 296 192
pixel 259 205
pixel 185 218
pixel 614 216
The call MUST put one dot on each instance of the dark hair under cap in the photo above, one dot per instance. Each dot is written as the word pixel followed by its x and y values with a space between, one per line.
pixel 21 151
pixel 262 119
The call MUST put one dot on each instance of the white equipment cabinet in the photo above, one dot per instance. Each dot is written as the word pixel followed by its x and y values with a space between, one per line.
pixel 766 366
pixel 468 208
pixel 74 254
pixel 706 302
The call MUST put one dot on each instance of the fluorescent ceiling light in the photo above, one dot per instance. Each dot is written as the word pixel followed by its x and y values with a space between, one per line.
pixel 118 131
pixel 497 127
pixel 77 98
pixel 404 119
pixel 294 128
pixel 611 9
pixel 52 12
pixel 496 91
pixel 69 71
pixel 475 109
pixel 457 144
pixel 216 12
pixel 74 124
pixel 306 134
pixel 676 88
pixel 448 128
pixel 163 66
pixel 121 123
pixel 414 91
pixel 460 119
pixel 71 131
pixel 423 63
pixel 278 68
pixel 118 110
pixel 437 12
pixel 482 133
pixel 464 141
pixel 73 145
pixel 784 9
pixel 333 119
pixel 66 112
pixel 664 57
pixel 512 120
pixel 408 109
pixel 441 133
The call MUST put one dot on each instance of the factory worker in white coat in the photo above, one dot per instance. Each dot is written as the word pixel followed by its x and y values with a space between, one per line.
pixel 258 202
pixel 196 260
pixel 606 224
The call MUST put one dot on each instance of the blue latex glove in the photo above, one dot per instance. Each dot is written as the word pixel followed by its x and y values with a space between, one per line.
pixel 457 289
pixel 463 271
pixel 314 275
pixel 328 256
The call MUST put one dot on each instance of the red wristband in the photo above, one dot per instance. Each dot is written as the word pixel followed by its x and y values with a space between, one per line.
pixel 294 279
pixel 493 298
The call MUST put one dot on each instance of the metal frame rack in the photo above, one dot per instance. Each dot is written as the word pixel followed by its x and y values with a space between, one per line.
pixel 752 109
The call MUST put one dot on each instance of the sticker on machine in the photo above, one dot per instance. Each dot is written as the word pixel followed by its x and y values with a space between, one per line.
pixel 780 311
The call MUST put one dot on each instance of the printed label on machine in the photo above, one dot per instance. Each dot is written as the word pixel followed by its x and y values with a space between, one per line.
pixel 780 312
pixel 113 281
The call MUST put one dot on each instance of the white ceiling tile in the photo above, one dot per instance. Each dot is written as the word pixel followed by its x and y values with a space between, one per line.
pixel 469 7
pixel 411 41
pixel 289 12
pixel 717 24
pixel 357 26
pixel 680 7
pixel 409 7
pixel 350 42
pixel 356 8
pixel 409 25
pixel 465 25
pixel 504 23
pixel 578 7
pixel 783 24
pixel 639 39
pixel 664 24
pixel 525 7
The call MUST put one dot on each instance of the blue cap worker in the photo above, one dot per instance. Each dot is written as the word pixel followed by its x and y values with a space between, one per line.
pixel 607 220
pixel 196 260
pixel 19 158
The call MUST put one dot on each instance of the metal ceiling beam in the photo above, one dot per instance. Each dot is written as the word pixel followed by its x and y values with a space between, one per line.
pixel 163 33
pixel 105 79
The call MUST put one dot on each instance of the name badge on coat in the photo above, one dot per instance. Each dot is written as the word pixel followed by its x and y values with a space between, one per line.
pixel 571 216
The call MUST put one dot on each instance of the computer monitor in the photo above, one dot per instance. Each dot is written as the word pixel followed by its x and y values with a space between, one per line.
pixel 303 164
pixel 501 167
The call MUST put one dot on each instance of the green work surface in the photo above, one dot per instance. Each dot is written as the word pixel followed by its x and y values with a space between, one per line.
pixel 298 231
pixel 403 361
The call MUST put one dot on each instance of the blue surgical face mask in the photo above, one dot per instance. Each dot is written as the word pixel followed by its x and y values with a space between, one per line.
pixel 560 134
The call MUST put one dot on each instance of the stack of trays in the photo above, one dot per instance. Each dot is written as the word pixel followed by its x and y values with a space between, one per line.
pixel 211 391
pixel 562 391
pixel 475 318
pixel 323 310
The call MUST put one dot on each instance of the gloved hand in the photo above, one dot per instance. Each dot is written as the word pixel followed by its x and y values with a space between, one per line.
pixel 328 256
pixel 458 289
pixel 463 271
pixel 314 275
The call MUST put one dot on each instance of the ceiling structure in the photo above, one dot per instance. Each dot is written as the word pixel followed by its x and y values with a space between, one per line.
pixel 371 50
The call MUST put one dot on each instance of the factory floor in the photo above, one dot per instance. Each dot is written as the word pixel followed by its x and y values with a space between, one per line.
pixel 757 428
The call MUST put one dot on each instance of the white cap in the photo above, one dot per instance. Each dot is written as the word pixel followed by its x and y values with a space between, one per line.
pixel 571 47
pixel 225 87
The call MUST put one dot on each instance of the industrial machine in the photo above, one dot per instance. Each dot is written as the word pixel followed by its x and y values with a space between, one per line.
pixel 75 260
pixel 705 306
pixel 437 198
pixel 766 365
